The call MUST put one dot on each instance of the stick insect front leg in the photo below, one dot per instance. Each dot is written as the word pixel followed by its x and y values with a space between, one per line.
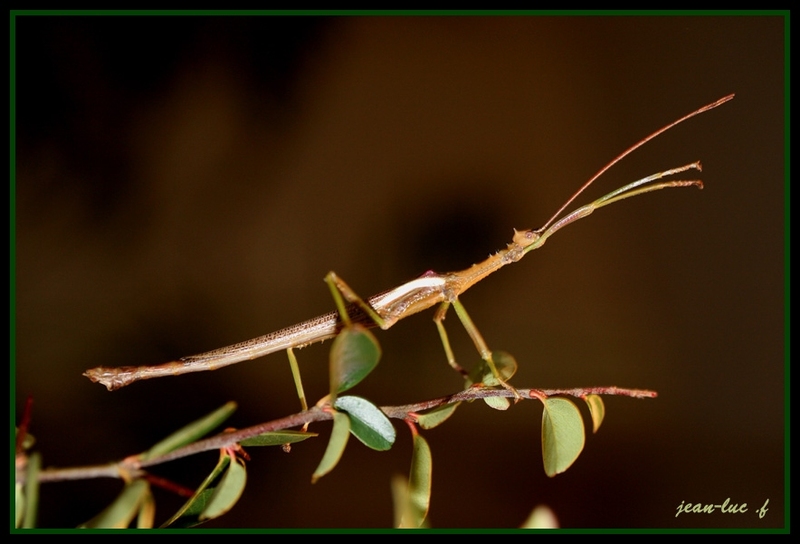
pixel 340 289
pixel 477 339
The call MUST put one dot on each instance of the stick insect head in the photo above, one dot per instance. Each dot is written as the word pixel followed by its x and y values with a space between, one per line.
pixel 525 238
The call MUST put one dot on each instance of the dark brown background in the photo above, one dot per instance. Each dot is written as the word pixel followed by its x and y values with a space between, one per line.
pixel 185 183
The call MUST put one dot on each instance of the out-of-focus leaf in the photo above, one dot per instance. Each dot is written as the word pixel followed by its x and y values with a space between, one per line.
pixel 120 513
pixel 400 499
pixel 597 410
pixel 147 512
pixel 190 432
pixel 506 367
pixel 541 517
pixel 277 438
pixel 367 422
pixel 29 504
pixel 189 514
pixel 403 509
pixel 354 354
pixel 437 416
pixel 228 492
pixel 339 435
pixel 419 485
pixel 28 441
pixel 562 435
pixel 19 504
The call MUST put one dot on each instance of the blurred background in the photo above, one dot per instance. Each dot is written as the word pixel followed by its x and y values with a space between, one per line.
pixel 185 183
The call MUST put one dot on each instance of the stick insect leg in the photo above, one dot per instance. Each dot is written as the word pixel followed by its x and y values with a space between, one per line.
pixel 438 318
pixel 477 339
pixel 340 289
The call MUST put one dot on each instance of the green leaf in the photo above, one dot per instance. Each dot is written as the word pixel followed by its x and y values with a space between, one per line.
pixel 277 438
pixel 228 492
pixel 189 514
pixel 419 485
pixel 336 445
pixel 28 499
pixel 498 403
pixel 506 367
pixel 19 505
pixel 597 410
pixel 437 416
pixel 120 513
pixel 367 422
pixel 404 514
pixel 354 354
pixel 562 435
pixel 190 432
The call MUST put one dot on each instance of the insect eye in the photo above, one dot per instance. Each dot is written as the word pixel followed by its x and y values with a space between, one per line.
pixel 525 238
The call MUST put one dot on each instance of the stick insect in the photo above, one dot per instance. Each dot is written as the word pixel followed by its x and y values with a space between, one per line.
pixel 429 290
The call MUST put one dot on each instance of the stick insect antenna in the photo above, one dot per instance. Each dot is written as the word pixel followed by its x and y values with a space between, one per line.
pixel 628 152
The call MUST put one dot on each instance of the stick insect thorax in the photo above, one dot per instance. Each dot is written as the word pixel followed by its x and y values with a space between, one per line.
pixel 419 294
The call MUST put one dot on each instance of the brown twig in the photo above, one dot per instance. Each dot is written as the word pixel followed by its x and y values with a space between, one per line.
pixel 132 466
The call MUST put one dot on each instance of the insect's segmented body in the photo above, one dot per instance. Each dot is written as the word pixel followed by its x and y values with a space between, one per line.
pixel 409 298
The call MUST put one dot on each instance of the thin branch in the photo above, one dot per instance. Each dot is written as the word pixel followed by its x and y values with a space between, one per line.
pixel 132 466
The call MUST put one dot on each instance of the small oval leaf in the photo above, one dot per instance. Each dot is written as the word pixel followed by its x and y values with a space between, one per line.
pixel 367 422
pixel 498 403
pixel 506 367
pixel 354 354
pixel 419 484
pixel 228 492
pixel 562 435
pixel 505 363
pixel 339 435
pixel 277 438
pixel 437 416
pixel 597 409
